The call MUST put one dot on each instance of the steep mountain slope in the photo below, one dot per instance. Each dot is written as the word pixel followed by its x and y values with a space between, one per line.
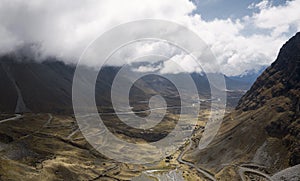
pixel 7 91
pixel 280 85
pixel 43 87
pixel 264 130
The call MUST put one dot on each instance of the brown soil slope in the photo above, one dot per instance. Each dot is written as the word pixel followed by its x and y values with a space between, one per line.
pixel 265 127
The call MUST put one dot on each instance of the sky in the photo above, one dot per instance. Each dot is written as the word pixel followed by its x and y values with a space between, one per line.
pixel 223 9
pixel 243 35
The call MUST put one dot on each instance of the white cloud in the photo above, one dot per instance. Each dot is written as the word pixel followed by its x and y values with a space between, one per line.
pixel 279 19
pixel 148 68
pixel 8 41
pixel 65 28
pixel 180 63
pixel 238 52
pixel 261 5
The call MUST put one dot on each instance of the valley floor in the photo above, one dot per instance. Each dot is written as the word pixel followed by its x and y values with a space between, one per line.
pixel 51 147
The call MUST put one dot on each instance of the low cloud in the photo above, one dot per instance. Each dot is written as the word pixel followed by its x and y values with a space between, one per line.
pixel 64 28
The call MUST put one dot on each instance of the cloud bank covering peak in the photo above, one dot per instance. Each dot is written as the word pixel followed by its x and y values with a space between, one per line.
pixel 63 29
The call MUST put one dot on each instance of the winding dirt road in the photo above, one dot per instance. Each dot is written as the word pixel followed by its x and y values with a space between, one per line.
pixel 243 170
pixel 202 171
pixel 49 120
pixel 17 116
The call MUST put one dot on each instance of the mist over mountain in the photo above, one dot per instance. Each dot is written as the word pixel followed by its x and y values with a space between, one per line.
pixel 249 77
pixel 31 86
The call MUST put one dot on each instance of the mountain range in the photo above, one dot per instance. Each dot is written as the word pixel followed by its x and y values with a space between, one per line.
pixel 30 86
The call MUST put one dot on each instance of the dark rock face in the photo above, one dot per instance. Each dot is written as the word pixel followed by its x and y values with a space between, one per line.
pixel 282 78
pixel 281 81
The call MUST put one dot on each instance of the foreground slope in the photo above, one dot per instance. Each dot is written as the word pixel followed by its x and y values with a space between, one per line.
pixel 264 130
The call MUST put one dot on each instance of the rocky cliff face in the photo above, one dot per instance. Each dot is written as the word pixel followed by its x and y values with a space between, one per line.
pixel 265 127
pixel 279 87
